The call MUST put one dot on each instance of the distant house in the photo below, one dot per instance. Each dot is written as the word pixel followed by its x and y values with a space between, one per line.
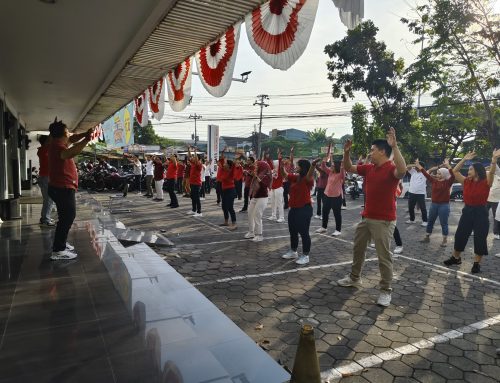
pixel 290 134
pixel 233 144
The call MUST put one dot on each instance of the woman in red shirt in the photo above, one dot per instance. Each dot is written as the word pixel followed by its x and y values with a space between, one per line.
pixel 247 174
pixel 238 177
pixel 195 183
pixel 301 211
pixel 171 178
pixel 258 193
pixel 43 181
pixel 228 192
pixel 440 196
pixel 158 175
pixel 474 214
pixel 180 175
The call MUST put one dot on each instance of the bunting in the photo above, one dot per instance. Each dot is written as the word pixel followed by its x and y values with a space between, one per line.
pixel 179 85
pixel 279 30
pixel 216 62
pixel 141 109
pixel 351 12
pixel 157 98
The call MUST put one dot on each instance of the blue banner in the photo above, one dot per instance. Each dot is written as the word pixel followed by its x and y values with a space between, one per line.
pixel 119 129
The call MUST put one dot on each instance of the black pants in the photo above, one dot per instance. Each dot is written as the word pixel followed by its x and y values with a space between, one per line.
pixel 420 200
pixel 195 198
pixel 218 190
pixel 228 196
pixel 286 189
pixel 474 218
pixel 208 187
pixel 66 212
pixel 171 192
pixel 179 185
pixel 202 190
pixel 319 198
pixel 239 188
pixel 343 195
pixel 137 182
pixel 397 237
pixel 299 220
pixel 246 193
pixel 496 224
pixel 335 204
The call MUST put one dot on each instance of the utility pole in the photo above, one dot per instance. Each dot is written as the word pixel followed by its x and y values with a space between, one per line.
pixel 262 104
pixel 195 117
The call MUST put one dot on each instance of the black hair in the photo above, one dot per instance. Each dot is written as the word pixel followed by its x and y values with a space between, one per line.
pixel 480 170
pixel 229 162
pixel 251 159
pixel 304 167
pixel 336 164
pixel 57 128
pixel 43 139
pixel 383 145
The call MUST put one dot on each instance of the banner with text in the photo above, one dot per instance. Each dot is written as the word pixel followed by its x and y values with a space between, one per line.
pixel 119 129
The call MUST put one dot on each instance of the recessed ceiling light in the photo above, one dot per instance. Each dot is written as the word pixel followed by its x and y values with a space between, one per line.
pixel 47 82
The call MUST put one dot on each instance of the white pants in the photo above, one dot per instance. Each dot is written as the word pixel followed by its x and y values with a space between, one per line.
pixel 159 189
pixel 277 203
pixel 255 212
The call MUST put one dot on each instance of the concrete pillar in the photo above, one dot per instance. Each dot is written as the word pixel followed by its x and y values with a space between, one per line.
pixel 15 154
pixel 4 158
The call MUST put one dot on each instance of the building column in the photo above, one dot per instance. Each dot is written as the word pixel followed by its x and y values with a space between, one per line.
pixel 14 160
pixel 4 158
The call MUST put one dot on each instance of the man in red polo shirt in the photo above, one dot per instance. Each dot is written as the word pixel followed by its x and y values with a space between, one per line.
pixel 63 183
pixel 379 215
pixel 171 178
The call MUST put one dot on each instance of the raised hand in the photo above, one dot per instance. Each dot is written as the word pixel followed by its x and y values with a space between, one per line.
pixel 446 163
pixel 417 164
pixel 391 137
pixel 347 146
pixel 470 156
pixel 496 155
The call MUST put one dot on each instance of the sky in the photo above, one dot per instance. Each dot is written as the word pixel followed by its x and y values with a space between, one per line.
pixel 304 88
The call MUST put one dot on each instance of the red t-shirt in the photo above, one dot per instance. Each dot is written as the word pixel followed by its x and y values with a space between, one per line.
pixel 172 170
pixel 440 189
pixel 62 173
pixel 227 178
pixel 476 192
pixel 220 165
pixel 43 158
pixel 238 173
pixel 158 172
pixel 180 170
pixel 380 186
pixel 247 175
pixel 278 178
pixel 300 191
pixel 195 174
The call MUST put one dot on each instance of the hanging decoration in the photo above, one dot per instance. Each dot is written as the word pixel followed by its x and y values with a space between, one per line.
pixel 351 12
pixel 97 134
pixel 279 30
pixel 179 85
pixel 141 109
pixel 157 98
pixel 216 62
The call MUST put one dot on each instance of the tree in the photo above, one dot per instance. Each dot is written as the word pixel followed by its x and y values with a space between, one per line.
pixel 462 40
pixel 360 127
pixel 147 136
pixel 318 137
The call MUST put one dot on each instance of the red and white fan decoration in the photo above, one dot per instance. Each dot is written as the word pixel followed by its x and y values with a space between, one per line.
pixel 156 94
pixel 97 133
pixel 179 85
pixel 141 109
pixel 216 62
pixel 279 30
pixel 351 12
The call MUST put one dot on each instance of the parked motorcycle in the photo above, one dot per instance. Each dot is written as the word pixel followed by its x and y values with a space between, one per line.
pixel 354 185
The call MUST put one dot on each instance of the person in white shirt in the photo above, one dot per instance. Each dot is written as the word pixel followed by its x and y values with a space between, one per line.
pixel 137 171
pixel 208 176
pixel 203 171
pixel 493 199
pixel 149 177
pixel 417 193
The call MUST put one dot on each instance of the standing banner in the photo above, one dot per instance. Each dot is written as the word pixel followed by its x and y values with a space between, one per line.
pixel 119 129
pixel 213 143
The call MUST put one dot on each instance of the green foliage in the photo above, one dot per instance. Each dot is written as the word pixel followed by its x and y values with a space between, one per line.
pixel 148 136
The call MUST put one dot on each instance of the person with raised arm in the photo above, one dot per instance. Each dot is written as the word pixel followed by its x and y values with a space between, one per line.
pixel 218 180
pixel 440 196
pixel 289 168
pixel 171 179
pixel 379 214
pixel 159 175
pixel 228 192
pixel 195 183
pixel 238 176
pixel 277 207
pixel 321 183
pixel 258 194
pixel 247 180
pixel 474 217
pixel 417 193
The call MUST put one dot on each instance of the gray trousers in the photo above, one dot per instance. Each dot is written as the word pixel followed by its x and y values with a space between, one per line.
pixel 48 204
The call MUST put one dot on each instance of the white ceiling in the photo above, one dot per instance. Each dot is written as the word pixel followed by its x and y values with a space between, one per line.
pixel 83 60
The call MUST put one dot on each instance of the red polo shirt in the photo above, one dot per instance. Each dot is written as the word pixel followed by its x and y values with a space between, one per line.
pixel 248 176
pixel 158 171
pixel 62 173
pixel 227 178
pixel 440 189
pixel 476 192
pixel 180 169
pixel 300 191
pixel 238 173
pixel 171 170
pixel 380 189
pixel 43 158
pixel 195 174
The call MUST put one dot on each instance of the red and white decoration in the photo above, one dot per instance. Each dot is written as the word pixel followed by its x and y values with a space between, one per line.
pixel 351 12
pixel 141 109
pixel 279 30
pixel 97 133
pixel 179 85
pixel 216 62
pixel 157 99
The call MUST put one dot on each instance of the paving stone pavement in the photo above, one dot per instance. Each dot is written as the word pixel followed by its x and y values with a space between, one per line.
pixel 270 298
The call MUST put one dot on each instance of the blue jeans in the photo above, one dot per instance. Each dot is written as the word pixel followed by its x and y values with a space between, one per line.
pixel 441 210
pixel 43 183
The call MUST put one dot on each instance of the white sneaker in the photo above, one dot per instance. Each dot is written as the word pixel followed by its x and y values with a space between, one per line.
pixel 62 255
pixel 410 222
pixel 249 235
pixel 348 282
pixel 317 216
pixel 290 255
pixel 497 236
pixel 303 260
pixel 202 198
pixel 321 230
pixel 70 247
pixel 190 212
pixel 258 238
pixel 372 245
pixel 197 215
pixel 423 224
pixel 271 218
pixel 343 208
pixel 281 220
pixel 384 299
pixel 398 250
pixel 336 233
